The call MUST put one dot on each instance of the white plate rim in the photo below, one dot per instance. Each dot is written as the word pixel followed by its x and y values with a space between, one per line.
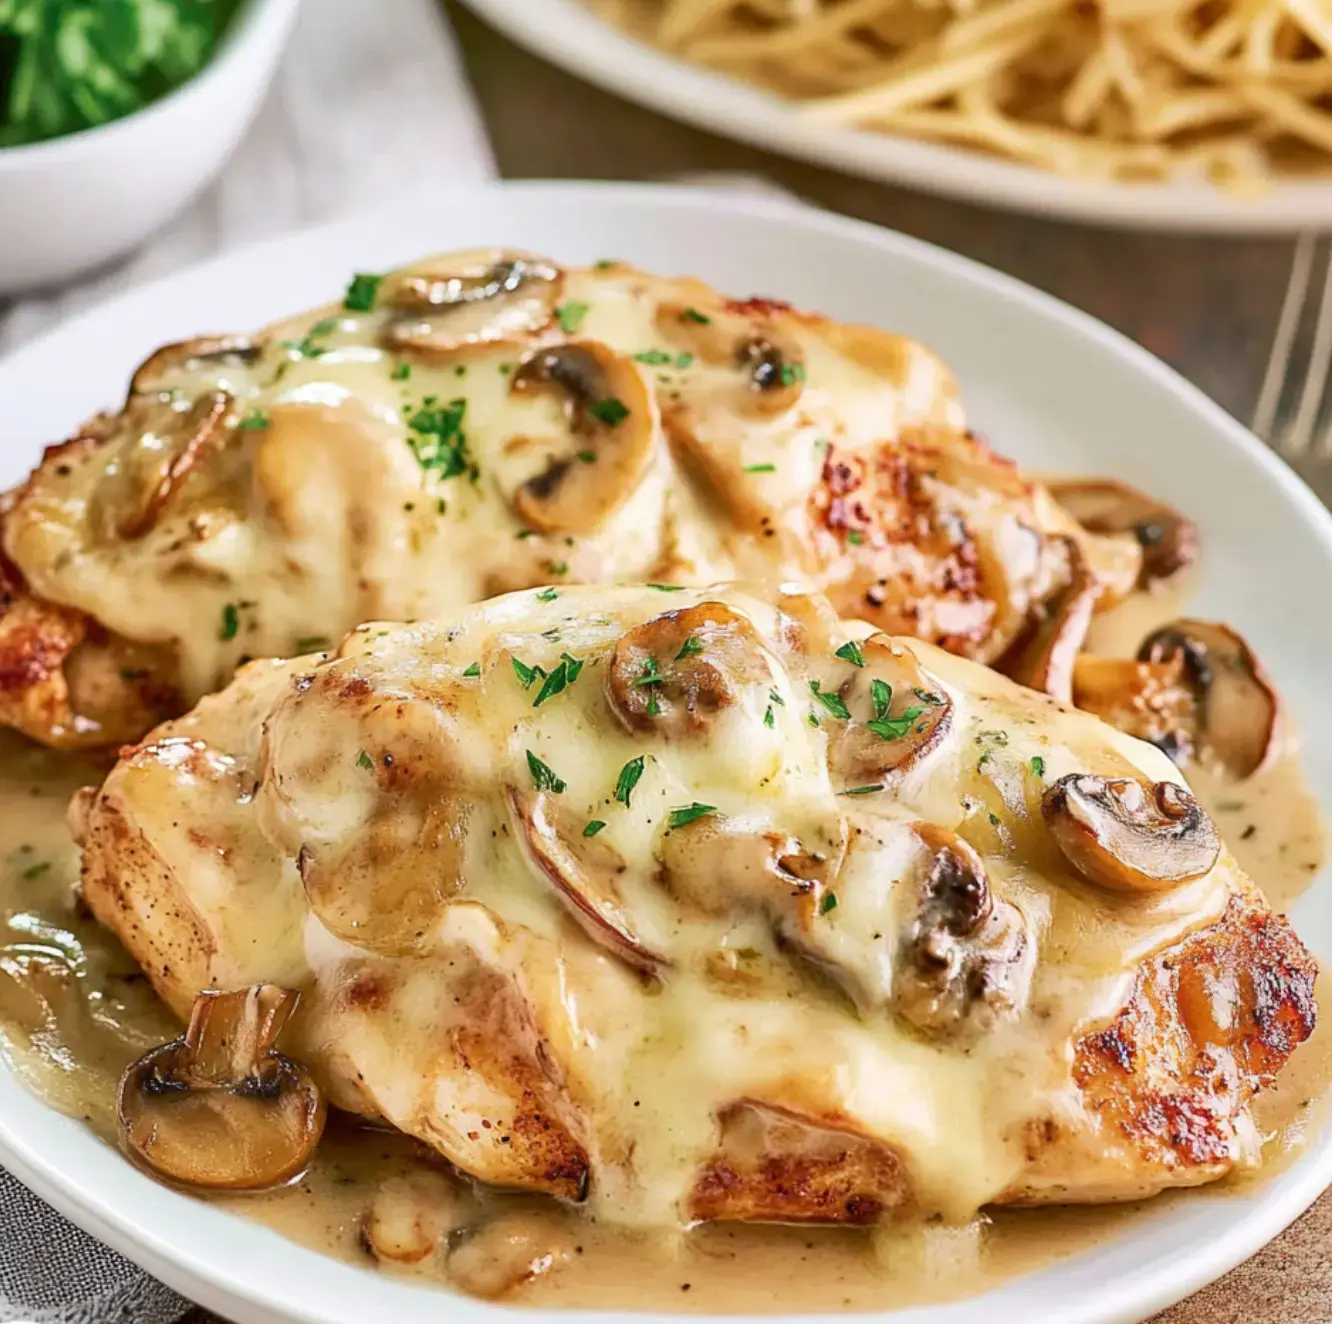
pixel 567 33
pixel 133 1213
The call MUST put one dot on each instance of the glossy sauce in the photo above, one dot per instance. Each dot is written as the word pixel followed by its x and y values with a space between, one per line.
pixel 74 1011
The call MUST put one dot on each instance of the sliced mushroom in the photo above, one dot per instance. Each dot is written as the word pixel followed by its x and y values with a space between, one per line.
pixel 770 364
pixel 498 1257
pixel 410 1215
pixel 1130 837
pixel 163 445
pixel 212 352
pixel 221 1108
pixel 964 959
pixel 585 872
pixel 1195 690
pixel 1045 660
pixel 386 884
pixel 717 865
pixel 676 673
pixel 784 1165
pixel 474 298
pixel 1169 542
pixel 612 419
pixel 898 714
pixel 1236 707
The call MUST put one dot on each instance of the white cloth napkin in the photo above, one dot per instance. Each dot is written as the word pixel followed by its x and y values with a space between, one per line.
pixel 370 94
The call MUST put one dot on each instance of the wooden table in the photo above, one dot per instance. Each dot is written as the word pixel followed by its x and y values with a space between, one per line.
pixel 1207 306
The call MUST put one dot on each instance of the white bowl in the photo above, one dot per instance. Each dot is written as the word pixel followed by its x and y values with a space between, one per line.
pixel 75 202
pixel 1045 383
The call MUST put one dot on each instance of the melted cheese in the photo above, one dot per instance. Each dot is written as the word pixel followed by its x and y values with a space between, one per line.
pixel 315 755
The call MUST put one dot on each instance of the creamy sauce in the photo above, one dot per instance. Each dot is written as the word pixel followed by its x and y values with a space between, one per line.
pixel 74 1011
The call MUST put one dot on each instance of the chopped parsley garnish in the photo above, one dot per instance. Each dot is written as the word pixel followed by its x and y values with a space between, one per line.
pixel 559 568
pixel 587 457
pixel 306 348
pixel 594 827
pixel 855 537
pixel 760 468
pixel 791 373
pixel 894 728
pixel 473 670
pixel 678 818
pixel 828 902
pixel 653 705
pixel 693 315
pixel 650 676
pixel 833 702
pixel 1037 766
pixel 312 643
pixel 928 696
pixel 401 372
pixel 654 358
pixel 999 737
pixel 362 292
pixel 255 420
pixel 570 316
pixel 525 533
pixel 995 821
pixel 559 680
pixel 768 718
pixel 690 646
pixel 881 693
pixel 36 870
pixel 668 588
pixel 542 776
pixel 682 361
pixel 628 779
pixel 526 675
pixel 440 445
pixel 850 652
pixel 363 760
pixel 777 698
pixel 606 264
pixel 547 595
pixel 230 622
pixel 872 789
pixel 612 410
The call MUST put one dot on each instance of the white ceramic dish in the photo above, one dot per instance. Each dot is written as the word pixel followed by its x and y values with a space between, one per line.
pixel 567 33
pixel 73 203
pixel 1049 385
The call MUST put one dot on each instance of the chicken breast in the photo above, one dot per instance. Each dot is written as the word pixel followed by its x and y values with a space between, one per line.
pixel 700 905
pixel 488 421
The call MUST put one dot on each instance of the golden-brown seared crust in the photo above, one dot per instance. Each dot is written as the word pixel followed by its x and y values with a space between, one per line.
pixel 1209 1023
pixel 775 1166
pixel 907 531
pixel 67 682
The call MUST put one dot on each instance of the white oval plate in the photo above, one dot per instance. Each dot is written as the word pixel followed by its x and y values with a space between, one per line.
pixel 567 33
pixel 1047 384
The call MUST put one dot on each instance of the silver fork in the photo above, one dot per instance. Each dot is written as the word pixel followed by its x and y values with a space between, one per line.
pixel 1292 401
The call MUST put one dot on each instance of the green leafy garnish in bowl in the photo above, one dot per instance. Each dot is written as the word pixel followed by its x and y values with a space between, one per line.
pixel 67 65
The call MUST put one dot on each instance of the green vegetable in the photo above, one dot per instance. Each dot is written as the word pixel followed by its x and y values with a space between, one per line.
pixel 230 627
pixel 594 827
pixel 612 411
pixel 829 902
pixel 570 316
pixel 834 703
pixel 363 760
pixel 679 817
pixel 690 646
pixel 362 292
pixel 67 65
pixel 628 779
pixel 850 652
pixel 543 778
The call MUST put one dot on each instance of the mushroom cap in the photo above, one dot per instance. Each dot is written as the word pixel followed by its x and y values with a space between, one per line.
pixel 899 713
pixel 1130 837
pixel 676 673
pixel 161 446
pixel 157 372
pixel 1045 660
pixel 613 424
pixel 1236 709
pixel 585 872
pixel 478 298
pixel 221 1109
pixel 1168 540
